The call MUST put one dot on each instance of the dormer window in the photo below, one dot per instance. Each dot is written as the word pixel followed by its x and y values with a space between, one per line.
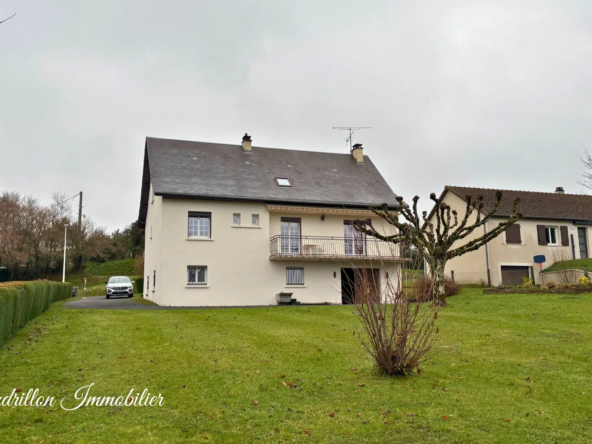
pixel 283 182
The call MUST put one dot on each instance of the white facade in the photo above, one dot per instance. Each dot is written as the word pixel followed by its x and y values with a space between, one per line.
pixel 244 264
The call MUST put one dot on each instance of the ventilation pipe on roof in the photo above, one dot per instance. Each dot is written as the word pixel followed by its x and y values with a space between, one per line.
pixel 559 190
pixel 247 143
pixel 358 153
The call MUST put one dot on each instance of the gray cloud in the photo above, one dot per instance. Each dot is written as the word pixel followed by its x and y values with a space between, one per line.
pixel 458 92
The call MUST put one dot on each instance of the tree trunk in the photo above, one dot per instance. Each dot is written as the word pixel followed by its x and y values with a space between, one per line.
pixel 439 282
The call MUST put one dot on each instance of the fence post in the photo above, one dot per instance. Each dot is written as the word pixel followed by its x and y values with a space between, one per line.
pixel 488 277
pixel 452 275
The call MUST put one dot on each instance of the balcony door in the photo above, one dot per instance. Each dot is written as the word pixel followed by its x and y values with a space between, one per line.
pixel 355 242
pixel 290 235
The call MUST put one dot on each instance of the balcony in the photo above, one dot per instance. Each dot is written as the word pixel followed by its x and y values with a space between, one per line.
pixel 331 248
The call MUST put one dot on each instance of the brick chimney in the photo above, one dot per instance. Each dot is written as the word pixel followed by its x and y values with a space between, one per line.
pixel 247 143
pixel 358 153
pixel 559 190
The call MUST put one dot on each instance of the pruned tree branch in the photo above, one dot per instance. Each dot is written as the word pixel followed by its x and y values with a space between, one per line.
pixel 587 175
pixel 5 20
pixel 436 242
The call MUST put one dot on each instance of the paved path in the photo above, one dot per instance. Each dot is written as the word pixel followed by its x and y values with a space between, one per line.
pixel 116 303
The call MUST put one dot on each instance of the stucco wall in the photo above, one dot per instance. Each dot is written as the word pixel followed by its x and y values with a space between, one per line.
pixel 239 269
pixel 153 245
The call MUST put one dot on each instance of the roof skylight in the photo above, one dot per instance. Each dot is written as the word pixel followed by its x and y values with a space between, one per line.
pixel 283 182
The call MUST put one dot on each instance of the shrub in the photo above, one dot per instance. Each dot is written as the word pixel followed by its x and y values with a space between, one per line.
pixel 584 281
pixel 544 287
pixel 551 285
pixel 139 266
pixel 526 282
pixel 425 288
pixel 140 285
pixel 20 302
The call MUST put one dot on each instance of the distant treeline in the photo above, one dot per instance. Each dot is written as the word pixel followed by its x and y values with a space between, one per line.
pixel 32 238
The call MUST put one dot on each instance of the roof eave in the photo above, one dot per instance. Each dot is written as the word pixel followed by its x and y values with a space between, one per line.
pixel 145 192
pixel 272 200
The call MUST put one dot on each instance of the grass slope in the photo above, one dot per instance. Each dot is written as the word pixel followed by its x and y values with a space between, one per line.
pixel 507 368
pixel 97 273
pixel 576 264
pixel 123 267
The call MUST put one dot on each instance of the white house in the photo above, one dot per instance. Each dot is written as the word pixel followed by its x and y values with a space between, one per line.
pixel 235 225
pixel 553 225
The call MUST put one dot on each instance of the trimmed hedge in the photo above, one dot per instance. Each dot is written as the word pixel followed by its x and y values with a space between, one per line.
pixel 22 301
pixel 139 286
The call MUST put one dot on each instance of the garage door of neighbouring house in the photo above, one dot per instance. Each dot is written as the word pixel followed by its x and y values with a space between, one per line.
pixel 512 275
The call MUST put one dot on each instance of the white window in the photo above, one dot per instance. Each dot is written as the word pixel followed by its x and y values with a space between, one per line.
pixel 236 219
pixel 294 276
pixel 199 224
pixel 283 182
pixel 551 235
pixel 197 275
pixel 255 220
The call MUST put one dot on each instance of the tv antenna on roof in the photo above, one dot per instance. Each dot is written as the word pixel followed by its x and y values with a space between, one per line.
pixel 352 130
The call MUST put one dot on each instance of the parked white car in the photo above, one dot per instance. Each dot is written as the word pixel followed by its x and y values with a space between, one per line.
pixel 119 286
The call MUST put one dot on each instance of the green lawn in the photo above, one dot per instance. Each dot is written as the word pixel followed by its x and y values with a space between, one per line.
pixel 507 368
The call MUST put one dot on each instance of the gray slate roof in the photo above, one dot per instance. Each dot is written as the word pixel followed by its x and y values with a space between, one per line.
pixel 186 169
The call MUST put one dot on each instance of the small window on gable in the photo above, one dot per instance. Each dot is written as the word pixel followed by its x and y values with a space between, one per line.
pixel 283 182
pixel 255 220
pixel 236 219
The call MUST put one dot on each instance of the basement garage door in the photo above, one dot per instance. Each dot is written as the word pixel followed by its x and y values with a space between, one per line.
pixel 512 275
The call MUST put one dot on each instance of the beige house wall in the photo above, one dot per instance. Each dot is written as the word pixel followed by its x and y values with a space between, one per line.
pixel 153 243
pixel 472 267
pixel 239 269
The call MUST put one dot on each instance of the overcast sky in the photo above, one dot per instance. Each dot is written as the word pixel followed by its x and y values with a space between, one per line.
pixel 473 93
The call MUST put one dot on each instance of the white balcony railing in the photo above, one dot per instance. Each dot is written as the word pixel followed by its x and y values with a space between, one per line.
pixel 323 247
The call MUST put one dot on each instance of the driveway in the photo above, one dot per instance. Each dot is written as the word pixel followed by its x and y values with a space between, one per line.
pixel 102 303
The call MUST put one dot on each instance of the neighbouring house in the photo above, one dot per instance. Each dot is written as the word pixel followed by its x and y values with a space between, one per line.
pixel 554 225
pixel 235 225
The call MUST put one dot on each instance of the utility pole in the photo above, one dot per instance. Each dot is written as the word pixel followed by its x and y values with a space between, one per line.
pixel 65 237
pixel 80 213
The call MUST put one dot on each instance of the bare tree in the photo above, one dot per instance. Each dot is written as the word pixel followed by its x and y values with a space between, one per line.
pixel 587 174
pixel 397 331
pixel 436 243
pixel 32 236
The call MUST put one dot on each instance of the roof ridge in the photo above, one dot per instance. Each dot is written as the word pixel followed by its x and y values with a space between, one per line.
pixel 518 191
pixel 254 146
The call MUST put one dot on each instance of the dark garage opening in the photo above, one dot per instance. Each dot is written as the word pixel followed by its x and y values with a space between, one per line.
pixel 513 274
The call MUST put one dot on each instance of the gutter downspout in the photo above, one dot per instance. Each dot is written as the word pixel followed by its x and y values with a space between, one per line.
pixel 487 256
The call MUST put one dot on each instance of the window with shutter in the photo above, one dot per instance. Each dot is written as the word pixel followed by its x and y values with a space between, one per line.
pixel 541 233
pixel 564 236
pixel 513 234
